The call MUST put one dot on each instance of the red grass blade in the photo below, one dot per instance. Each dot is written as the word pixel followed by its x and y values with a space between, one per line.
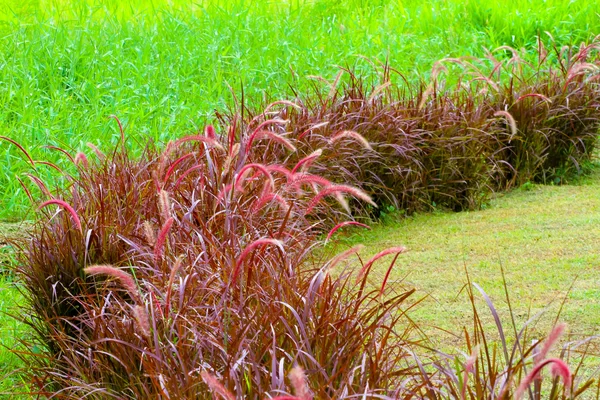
pixel 365 269
pixel 343 224
pixel 351 135
pixel 252 246
pixel 174 165
pixel 20 148
pixel 67 207
pixel 560 368
pixel 306 161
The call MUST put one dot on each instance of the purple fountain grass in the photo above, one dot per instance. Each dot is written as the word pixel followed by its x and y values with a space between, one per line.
pixel 343 256
pixel 21 148
pixel 125 279
pixel 469 365
pixel 174 165
pixel 96 150
pixel 511 121
pixel 261 134
pixel 268 197
pixel 182 177
pixel 81 158
pixel 164 204
pixel 161 239
pixel 199 138
pixel 65 206
pixel 302 178
pixel 209 132
pixel 343 224
pixel 251 247
pixel 299 383
pixel 40 184
pixel 367 267
pixel 149 233
pixel 241 176
pixel 216 387
pixel 560 368
pixel 142 320
pixel 281 169
pixel 556 333
pixel 174 271
pixel 306 161
pixel 351 135
pixel 333 189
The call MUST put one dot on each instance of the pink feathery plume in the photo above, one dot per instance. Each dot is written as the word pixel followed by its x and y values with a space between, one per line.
pixel 51 165
pixel 298 380
pixel 63 151
pixel 161 239
pixel 555 334
pixel 40 184
pixel 142 320
pixel 342 256
pixel 469 365
pixel 259 132
pixel 392 250
pixel 121 130
pixel 164 203
pixel 174 165
pixel 300 179
pixel 312 128
pixel 149 233
pixel 209 132
pixel 199 138
pixel 339 189
pixel 537 95
pixel 96 150
pixel 274 137
pixel 343 224
pixel 306 161
pixel 351 135
pixel 124 278
pixel 241 175
pixel 560 368
pixel 251 247
pixel 511 121
pixel 281 169
pixel 80 158
pixel 67 207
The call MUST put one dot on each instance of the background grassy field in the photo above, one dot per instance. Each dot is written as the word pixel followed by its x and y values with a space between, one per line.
pixel 164 67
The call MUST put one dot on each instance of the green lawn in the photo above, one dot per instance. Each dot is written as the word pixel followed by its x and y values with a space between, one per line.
pixel 164 67
pixel 546 238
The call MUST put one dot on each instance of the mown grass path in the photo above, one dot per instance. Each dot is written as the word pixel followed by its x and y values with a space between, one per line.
pixel 546 238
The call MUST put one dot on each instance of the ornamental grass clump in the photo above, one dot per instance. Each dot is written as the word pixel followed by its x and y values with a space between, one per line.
pixel 146 276
pixel 477 126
